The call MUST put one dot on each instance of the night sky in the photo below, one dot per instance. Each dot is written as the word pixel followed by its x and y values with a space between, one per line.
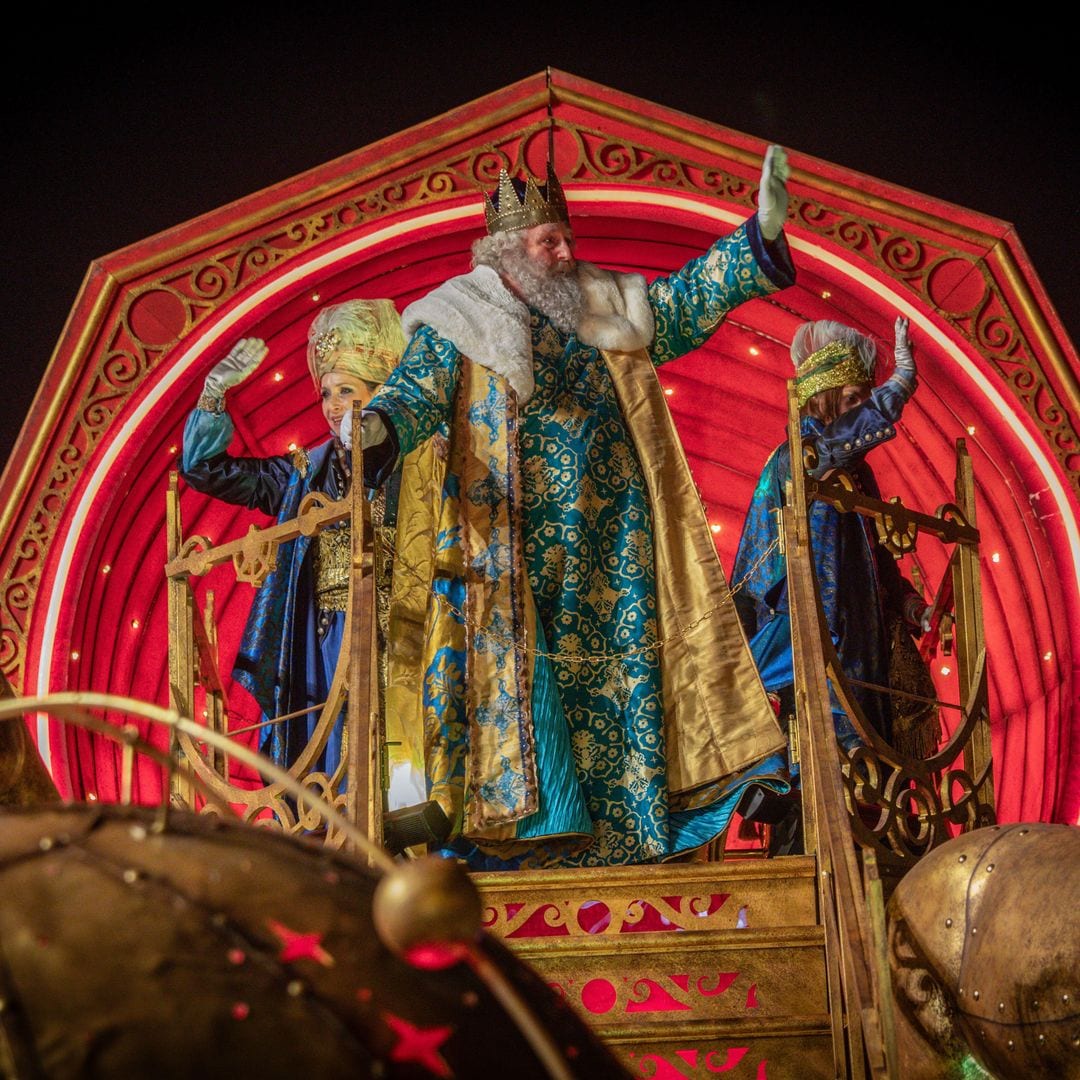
pixel 113 133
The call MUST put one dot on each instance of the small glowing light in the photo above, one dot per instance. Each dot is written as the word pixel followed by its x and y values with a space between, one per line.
pixel 669 390
pixel 946 670
pixel 278 376
pixel 971 429
pixel 106 568
pixel 292 446
pixel 173 448
pixel 825 294
pixel 754 350
pixel 716 528
pixel 315 297
pixel 91 796
pixel 1048 655
pixel 134 624
pixel 996 557
pixel 74 654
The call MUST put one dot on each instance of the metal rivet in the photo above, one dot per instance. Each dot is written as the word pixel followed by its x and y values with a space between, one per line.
pixel 131 876
pixel 295 988
pixel 989 868
pixel 45 843
pixel 974 930
pixel 975 994
pixel 963 858
pixel 1042 1037
pixel 1001 1006
pixel 1065 998
pixel 847 446
pixel 948 922
pixel 961 991
pixel 137 832
pixel 1012 1045
pixel 1022 832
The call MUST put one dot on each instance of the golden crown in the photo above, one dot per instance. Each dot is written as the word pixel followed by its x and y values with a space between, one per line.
pixel 509 209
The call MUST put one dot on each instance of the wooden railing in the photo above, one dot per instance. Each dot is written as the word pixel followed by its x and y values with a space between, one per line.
pixel 355 787
pixel 871 812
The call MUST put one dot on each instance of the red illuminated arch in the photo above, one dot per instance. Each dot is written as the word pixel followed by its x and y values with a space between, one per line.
pixel 647 188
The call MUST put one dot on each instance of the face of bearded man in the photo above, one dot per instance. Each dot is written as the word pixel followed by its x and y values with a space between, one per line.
pixel 538 265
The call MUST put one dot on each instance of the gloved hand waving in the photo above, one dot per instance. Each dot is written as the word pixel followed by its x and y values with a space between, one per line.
pixel 772 194
pixel 244 357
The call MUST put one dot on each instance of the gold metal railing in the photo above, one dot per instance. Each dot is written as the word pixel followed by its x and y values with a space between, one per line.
pixel 870 813
pixel 354 788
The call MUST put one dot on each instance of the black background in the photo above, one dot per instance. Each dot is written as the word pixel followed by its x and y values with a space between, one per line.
pixel 114 130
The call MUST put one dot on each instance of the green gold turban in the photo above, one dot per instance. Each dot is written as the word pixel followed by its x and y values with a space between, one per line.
pixel 362 338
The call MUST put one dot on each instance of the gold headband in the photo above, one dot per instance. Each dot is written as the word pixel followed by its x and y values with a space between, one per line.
pixel 836 364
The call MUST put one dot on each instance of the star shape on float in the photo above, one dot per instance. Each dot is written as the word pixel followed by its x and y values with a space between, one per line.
pixel 298 946
pixel 419 1044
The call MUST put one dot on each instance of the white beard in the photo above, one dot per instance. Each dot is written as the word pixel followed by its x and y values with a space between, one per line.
pixel 555 293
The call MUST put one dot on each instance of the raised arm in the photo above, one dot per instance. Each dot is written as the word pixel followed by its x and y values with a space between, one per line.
pixel 750 262
pixel 257 483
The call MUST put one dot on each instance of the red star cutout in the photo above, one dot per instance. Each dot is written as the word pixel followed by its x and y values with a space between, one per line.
pixel 297 946
pixel 419 1044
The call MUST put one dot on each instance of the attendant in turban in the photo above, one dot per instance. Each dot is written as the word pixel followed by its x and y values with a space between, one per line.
pixel 867 603
pixel 290 647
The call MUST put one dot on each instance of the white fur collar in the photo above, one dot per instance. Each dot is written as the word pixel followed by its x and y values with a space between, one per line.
pixel 490 325
pixel 484 320
pixel 617 313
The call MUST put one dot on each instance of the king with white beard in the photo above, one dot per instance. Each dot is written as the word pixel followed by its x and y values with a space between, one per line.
pixel 565 660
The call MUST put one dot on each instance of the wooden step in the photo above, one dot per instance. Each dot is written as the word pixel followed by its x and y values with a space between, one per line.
pixel 621 900
pixel 799 1049
pixel 641 980
pixel 684 969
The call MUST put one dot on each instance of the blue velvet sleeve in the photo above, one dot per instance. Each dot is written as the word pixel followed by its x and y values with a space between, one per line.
pixel 846 441
pixel 257 483
pixel 206 435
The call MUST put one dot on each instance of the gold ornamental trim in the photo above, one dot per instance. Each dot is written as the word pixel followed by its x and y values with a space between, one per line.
pixel 990 325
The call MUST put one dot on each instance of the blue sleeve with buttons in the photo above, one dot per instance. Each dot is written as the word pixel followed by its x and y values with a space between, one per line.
pixel 847 439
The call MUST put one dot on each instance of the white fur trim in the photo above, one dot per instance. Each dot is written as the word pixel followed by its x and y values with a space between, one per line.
pixel 487 323
pixel 484 320
pixel 617 313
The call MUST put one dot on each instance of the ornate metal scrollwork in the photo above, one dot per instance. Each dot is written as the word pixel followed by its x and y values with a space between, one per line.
pixel 898 531
pixel 256 558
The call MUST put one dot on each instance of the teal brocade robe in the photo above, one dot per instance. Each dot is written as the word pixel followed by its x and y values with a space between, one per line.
pixel 587 547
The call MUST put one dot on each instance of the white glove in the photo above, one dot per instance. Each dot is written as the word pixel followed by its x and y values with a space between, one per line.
pixel 772 195
pixel 372 430
pixel 904 377
pixel 243 359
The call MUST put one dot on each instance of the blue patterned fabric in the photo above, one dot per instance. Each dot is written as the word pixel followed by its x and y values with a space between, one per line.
pixel 856 576
pixel 282 661
pixel 588 554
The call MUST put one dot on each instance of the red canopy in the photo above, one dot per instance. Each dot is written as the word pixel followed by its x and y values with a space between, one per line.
pixel 648 188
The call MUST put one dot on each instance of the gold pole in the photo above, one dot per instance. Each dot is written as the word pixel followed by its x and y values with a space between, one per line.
pixel 364 793
pixel 968 630
pixel 181 642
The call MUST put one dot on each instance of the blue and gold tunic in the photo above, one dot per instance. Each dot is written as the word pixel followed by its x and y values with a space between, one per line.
pixel 582 527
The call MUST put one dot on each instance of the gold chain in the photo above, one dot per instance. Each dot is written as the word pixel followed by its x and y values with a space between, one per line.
pixel 583 658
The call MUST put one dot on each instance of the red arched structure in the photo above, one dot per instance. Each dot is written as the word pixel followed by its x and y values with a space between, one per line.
pixel 84 493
